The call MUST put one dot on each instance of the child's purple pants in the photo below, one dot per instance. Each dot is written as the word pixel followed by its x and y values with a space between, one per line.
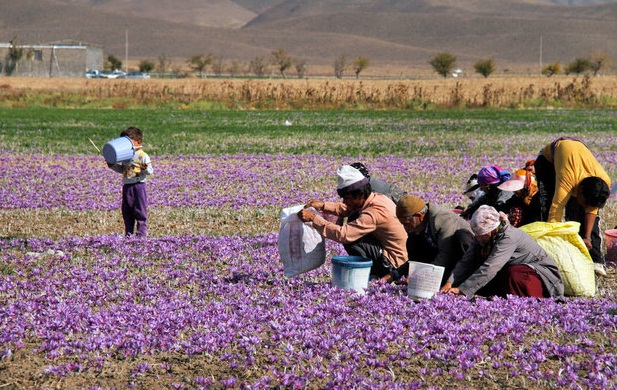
pixel 135 208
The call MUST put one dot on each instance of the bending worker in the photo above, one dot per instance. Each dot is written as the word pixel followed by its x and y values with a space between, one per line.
pixel 503 260
pixel 571 180
pixel 437 235
pixel 375 233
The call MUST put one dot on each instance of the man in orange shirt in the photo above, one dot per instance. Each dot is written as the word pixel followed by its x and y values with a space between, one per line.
pixel 375 233
pixel 571 180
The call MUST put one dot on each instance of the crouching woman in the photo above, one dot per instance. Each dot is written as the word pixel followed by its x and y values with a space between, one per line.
pixel 503 260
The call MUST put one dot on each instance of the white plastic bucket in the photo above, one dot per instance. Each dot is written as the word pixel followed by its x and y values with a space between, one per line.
pixel 424 279
pixel 118 150
pixel 610 239
pixel 351 272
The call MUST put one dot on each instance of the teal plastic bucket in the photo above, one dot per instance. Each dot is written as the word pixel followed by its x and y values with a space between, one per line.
pixel 351 272
pixel 118 150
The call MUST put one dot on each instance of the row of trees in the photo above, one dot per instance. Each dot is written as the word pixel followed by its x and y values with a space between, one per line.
pixel 280 59
pixel 444 64
pixel 595 62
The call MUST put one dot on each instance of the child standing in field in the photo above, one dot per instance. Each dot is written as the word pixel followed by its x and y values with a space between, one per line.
pixel 134 196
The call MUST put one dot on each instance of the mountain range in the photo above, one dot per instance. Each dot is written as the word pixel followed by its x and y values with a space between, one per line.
pixel 520 35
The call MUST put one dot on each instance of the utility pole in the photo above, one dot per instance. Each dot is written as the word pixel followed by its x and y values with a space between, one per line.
pixel 541 52
pixel 51 61
pixel 126 51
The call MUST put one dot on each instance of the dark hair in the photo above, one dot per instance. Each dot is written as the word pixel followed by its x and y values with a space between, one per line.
pixel 595 191
pixel 365 191
pixel 362 168
pixel 133 133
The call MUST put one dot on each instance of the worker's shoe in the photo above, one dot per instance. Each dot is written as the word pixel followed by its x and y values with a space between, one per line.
pixel 599 269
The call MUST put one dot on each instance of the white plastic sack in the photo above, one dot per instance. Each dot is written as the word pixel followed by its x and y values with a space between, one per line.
pixel 301 247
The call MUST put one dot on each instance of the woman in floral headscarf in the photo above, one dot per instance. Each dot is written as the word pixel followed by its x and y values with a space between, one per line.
pixel 524 206
pixel 503 261
pixel 489 179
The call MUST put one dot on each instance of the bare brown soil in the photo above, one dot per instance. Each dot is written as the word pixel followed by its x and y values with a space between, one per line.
pixel 163 221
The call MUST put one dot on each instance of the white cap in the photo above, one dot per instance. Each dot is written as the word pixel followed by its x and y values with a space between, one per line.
pixel 349 178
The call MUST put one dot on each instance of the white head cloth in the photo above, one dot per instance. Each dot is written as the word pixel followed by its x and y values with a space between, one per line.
pixel 486 219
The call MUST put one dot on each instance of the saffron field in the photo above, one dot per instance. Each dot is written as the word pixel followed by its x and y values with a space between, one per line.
pixel 203 303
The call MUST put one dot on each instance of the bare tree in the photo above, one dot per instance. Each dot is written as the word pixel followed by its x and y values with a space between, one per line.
pixel 177 70
pixel 218 65
pixel 199 63
pixel 164 64
pixel 258 66
pixel 599 59
pixel 282 60
pixel 300 65
pixel 235 68
pixel 340 65
pixel 359 64
pixel 30 57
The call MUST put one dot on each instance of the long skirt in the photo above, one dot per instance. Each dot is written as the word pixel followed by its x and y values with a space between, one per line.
pixel 519 279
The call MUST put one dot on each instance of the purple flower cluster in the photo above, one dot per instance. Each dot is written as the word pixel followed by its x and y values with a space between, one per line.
pixel 99 299
pixel 85 183
pixel 86 302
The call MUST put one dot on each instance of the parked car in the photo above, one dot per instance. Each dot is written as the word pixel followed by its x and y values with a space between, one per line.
pixel 113 75
pixel 93 74
pixel 135 75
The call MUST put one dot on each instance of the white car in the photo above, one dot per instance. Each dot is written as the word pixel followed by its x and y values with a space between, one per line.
pixel 113 75
pixel 135 75
pixel 93 74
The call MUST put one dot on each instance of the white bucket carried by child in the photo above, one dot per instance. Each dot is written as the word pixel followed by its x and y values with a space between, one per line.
pixel 351 272
pixel 118 150
pixel 424 279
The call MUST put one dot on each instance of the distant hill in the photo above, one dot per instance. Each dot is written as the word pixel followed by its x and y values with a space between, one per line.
pixel 517 34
